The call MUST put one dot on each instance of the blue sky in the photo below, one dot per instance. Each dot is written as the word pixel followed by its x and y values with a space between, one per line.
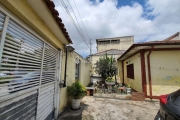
pixel 146 20
pixel 129 2
pixel 126 2
pixel 121 3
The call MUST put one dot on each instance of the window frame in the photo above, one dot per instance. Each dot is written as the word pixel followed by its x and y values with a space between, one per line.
pixel 130 71
pixel 77 68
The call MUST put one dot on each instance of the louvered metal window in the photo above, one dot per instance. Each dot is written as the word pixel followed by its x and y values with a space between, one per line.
pixel 77 70
pixel 49 64
pixel 21 59
pixel 27 65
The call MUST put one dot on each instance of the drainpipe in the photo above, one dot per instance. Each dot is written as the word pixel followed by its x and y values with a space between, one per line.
pixel 143 72
pixel 123 71
pixel 64 85
pixel 149 71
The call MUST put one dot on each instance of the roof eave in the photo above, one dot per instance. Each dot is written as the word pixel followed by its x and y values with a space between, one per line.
pixel 146 45
pixel 50 17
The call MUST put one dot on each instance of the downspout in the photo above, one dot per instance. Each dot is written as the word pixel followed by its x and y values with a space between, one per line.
pixel 123 71
pixel 115 79
pixel 143 72
pixel 64 85
pixel 149 71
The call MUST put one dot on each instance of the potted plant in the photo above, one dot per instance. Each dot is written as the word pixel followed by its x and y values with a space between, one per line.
pixel 77 91
pixel 128 88
pixel 110 81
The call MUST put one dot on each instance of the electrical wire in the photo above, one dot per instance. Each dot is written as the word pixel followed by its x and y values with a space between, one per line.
pixel 81 19
pixel 77 22
pixel 72 20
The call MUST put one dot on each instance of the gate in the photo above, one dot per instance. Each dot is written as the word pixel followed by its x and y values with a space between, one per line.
pixel 28 73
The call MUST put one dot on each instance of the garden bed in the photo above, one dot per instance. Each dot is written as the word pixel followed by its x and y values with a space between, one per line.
pixel 113 96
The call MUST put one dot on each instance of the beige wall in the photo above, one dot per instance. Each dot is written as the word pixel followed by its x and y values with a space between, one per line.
pixel 165 72
pixel 24 12
pixel 165 69
pixel 125 43
pixel 136 83
pixel 94 60
pixel 84 75
pixel 120 71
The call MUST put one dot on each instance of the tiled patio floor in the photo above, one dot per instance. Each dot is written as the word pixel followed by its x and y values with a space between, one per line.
pixel 112 109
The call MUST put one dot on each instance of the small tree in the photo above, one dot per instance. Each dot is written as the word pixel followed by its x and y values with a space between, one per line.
pixel 106 67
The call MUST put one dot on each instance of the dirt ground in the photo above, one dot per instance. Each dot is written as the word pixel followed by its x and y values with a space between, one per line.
pixel 112 109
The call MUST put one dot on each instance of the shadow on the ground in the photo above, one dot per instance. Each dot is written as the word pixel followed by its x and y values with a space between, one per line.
pixel 70 114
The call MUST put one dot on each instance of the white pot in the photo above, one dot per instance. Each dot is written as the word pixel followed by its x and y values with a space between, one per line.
pixel 110 83
pixel 128 90
pixel 76 103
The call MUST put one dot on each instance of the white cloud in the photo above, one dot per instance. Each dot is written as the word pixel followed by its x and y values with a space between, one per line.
pixel 104 19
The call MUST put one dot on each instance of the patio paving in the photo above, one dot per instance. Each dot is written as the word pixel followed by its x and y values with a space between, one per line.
pixel 112 109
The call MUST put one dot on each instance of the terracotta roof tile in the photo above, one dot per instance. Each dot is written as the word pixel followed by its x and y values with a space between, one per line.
pixel 55 14
pixel 163 41
pixel 172 36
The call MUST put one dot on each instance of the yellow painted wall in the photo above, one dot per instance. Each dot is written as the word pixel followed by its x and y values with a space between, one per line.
pixel 136 83
pixel 165 72
pixel 24 12
pixel 85 72
pixel 94 60
pixel 85 67
pixel 120 72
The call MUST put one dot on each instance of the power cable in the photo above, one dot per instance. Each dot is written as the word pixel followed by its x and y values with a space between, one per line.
pixel 72 20
pixel 77 22
pixel 81 19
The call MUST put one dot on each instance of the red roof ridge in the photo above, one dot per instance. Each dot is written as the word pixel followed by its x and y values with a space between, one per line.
pixel 172 36
pixel 55 14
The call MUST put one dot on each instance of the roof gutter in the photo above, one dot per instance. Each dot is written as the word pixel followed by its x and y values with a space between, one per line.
pixel 148 44
pixel 55 14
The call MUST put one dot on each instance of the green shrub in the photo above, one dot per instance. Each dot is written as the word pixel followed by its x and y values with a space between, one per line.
pixel 77 90
pixel 106 67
